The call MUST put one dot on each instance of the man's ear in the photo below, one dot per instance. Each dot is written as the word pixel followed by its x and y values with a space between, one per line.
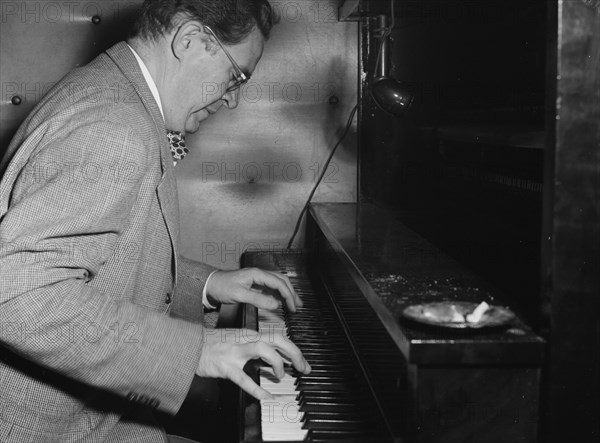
pixel 188 36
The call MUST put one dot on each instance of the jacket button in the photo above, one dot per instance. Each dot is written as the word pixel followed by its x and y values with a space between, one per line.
pixel 154 403
pixel 168 298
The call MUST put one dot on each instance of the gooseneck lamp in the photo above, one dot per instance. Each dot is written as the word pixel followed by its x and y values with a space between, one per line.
pixel 391 96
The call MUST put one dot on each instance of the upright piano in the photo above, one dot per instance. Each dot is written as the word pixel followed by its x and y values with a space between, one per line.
pixel 376 376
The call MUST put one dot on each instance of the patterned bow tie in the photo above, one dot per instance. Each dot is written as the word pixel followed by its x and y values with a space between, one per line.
pixel 177 143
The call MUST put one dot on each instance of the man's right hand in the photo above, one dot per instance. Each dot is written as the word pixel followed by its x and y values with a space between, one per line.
pixel 226 352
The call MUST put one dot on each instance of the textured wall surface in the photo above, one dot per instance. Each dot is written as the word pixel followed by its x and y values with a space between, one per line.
pixel 251 169
pixel 40 41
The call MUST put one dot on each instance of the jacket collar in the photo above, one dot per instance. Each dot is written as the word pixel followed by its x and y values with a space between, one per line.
pixel 122 56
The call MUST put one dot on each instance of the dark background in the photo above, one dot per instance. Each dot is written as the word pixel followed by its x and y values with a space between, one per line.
pixel 498 164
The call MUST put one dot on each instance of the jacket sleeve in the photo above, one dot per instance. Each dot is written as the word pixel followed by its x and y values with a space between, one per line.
pixel 50 311
pixel 192 276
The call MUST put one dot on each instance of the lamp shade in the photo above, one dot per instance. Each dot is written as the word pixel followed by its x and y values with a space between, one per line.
pixel 392 96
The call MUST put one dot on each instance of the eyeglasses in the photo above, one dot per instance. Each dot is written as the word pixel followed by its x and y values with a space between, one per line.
pixel 240 77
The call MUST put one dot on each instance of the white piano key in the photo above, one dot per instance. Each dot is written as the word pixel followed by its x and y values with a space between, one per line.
pixel 281 419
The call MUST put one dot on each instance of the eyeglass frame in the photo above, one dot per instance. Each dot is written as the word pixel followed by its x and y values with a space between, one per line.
pixel 241 78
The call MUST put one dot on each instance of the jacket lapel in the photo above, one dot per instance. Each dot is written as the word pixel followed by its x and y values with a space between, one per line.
pixel 169 205
pixel 167 188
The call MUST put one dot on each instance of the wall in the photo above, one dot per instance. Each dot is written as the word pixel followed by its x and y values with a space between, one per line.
pixel 250 169
pixel 40 41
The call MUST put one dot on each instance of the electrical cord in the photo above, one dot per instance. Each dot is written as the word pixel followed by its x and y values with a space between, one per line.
pixel 386 32
pixel 324 169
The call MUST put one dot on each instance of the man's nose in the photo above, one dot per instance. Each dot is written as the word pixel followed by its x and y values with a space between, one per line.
pixel 231 98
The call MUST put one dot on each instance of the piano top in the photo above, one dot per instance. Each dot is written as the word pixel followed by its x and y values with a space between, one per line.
pixel 395 267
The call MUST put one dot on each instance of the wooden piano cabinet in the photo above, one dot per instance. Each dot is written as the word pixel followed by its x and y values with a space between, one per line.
pixel 454 387
pixel 473 404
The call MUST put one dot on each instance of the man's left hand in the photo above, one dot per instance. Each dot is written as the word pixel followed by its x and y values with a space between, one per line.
pixel 236 287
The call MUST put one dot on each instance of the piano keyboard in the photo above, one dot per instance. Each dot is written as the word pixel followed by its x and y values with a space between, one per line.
pixel 333 402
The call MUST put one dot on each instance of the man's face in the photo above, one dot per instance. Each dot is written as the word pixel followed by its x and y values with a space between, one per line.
pixel 199 86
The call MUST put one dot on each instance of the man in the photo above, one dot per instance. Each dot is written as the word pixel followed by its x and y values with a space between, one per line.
pixel 99 317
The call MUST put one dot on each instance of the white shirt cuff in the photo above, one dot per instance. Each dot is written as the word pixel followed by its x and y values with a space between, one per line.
pixel 205 302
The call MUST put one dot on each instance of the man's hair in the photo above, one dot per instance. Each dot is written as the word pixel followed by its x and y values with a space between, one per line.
pixel 231 20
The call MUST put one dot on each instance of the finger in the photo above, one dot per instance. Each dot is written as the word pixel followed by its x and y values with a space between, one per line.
pixel 291 351
pixel 288 283
pixel 244 382
pixel 276 281
pixel 294 295
pixel 259 299
pixel 270 356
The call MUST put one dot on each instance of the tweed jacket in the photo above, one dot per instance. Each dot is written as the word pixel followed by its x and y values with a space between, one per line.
pixel 99 318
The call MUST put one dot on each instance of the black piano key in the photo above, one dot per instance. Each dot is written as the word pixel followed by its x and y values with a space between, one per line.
pixel 332 406
pixel 324 395
pixel 340 436
pixel 349 424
